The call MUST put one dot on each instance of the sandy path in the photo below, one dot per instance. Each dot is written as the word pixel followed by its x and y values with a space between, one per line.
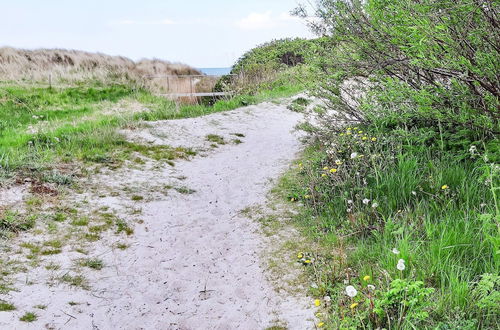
pixel 195 262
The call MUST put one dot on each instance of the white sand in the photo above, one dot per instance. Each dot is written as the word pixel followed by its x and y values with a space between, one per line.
pixel 195 262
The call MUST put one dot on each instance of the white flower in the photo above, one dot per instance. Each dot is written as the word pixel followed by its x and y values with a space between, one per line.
pixel 414 193
pixel 327 299
pixel 395 251
pixel 472 149
pixel 366 201
pixel 375 205
pixel 371 287
pixel 401 266
pixel 354 155
pixel 350 201
pixel 401 261
pixel 351 291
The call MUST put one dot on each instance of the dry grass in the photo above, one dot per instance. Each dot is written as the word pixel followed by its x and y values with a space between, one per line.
pixel 72 66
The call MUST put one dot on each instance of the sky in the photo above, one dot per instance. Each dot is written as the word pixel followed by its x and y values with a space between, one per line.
pixel 201 33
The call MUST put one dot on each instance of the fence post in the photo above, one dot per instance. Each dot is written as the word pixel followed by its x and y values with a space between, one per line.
pixel 50 80
pixel 191 83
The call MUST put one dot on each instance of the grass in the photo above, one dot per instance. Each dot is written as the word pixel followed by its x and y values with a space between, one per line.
pixel 377 196
pixel 28 317
pixel 6 307
pixel 93 263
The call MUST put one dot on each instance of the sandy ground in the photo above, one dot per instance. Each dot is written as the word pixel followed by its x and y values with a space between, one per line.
pixel 195 260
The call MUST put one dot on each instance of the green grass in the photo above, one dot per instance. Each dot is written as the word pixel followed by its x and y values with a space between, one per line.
pixel 40 127
pixel 6 307
pixel 28 317
pixel 436 207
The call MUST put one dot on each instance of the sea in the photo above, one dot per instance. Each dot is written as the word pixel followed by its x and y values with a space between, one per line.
pixel 215 71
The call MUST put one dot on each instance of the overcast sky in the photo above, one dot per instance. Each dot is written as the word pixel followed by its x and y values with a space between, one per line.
pixel 202 33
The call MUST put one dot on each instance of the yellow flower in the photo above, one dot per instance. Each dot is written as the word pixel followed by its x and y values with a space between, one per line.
pixel 325 168
pixel 364 138
pixel 333 170
pixel 374 139
pixel 445 187
pixel 355 128
pixel 349 128
pixel 353 305
pixel 341 134
pixel 317 302
pixel 307 196
pixel 300 255
pixel 366 278
pixel 349 133
pixel 360 132
pixel 320 324
pixel 323 175
pixel 308 261
pixel 338 162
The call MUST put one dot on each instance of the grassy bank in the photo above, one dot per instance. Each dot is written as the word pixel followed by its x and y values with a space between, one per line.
pixel 410 223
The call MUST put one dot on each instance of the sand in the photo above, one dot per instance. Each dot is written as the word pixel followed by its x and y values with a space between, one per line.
pixel 195 261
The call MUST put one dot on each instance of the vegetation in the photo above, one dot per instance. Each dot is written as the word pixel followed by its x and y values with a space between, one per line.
pixel 400 187
pixel 279 64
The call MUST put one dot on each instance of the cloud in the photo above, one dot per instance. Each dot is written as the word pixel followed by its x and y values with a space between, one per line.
pixel 135 22
pixel 265 20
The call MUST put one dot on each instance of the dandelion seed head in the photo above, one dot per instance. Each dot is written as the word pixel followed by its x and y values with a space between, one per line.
pixel 351 291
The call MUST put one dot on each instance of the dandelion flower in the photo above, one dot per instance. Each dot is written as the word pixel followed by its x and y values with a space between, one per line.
pixel 308 261
pixel 364 138
pixel 354 155
pixel 300 255
pixel 323 175
pixel 366 201
pixel 350 201
pixel 374 139
pixel 341 134
pixel 366 278
pixel 333 170
pixel 445 187
pixel 395 251
pixel 401 261
pixel 375 205
pixel 360 132
pixel 317 302
pixel 371 287
pixel 351 291
pixel 353 305
pixel 401 265
pixel 320 324
pixel 325 168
